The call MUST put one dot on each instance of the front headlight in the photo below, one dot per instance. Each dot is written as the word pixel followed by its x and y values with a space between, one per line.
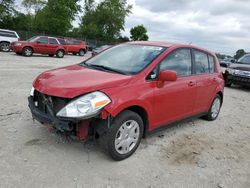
pixel 84 106
pixel 230 71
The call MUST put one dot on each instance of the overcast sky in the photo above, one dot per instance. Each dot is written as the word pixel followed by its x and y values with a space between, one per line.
pixel 219 25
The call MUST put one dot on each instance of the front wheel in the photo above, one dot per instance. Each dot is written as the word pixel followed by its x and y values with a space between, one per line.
pixel 124 135
pixel 60 54
pixel 27 51
pixel 214 109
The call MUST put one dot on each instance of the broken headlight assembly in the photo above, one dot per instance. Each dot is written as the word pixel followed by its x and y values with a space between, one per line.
pixel 85 106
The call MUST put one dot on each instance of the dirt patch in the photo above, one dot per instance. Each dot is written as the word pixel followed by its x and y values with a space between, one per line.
pixel 187 149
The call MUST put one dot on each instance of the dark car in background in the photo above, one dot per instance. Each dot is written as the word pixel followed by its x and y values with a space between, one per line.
pixel 41 45
pixel 74 46
pixel 100 49
pixel 90 46
pixel 226 62
pixel 239 72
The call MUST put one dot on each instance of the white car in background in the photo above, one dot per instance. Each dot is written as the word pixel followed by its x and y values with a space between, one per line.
pixel 7 37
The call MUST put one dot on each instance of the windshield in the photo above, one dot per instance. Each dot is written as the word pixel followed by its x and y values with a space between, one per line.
pixel 126 58
pixel 245 59
pixel 32 39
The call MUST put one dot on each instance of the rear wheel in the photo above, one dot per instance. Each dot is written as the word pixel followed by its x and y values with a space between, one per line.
pixel 124 135
pixel 27 51
pixel 81 52
pixel 5 46
pixel 60 53
pixel 214 109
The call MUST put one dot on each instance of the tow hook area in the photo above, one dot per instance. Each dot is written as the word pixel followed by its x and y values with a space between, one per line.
pixel 82 130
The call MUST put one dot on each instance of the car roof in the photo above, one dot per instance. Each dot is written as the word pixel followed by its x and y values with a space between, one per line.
pixel 169 44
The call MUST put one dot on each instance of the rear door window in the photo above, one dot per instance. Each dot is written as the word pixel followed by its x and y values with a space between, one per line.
pixel 211 64
pixel 201 62
pixel 53 41
pixel 43 40
pixel 180 61
pixel 62 41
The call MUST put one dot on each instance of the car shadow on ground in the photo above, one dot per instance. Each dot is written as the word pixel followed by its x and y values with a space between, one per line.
pixel 242 88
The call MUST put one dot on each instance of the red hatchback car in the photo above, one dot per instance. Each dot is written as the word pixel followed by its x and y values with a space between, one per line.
pixel 128 91
pixel 41 45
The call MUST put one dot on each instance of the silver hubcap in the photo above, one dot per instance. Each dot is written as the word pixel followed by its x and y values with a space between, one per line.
pixel 81 53
pixel 127 137
pixel 28 52
pixel 60 53
pixel 5 47
pixel 215 108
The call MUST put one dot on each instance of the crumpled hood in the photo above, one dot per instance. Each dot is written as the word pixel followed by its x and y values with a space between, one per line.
pixel 72 81
pixel 238 66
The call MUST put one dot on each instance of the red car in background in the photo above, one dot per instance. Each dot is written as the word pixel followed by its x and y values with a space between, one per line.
pixel 74 46
pixel 41 45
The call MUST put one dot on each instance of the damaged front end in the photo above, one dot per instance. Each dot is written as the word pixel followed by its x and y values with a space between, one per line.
pixel 81 117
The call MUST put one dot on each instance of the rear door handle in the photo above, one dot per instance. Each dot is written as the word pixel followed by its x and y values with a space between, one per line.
pixel 191 83
pixel 214 78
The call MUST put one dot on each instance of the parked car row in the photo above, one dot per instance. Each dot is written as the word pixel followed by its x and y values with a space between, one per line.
pixel 9 40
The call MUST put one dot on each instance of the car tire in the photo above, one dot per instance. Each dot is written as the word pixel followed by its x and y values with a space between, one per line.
pixel 124 135
pixel 5 46
pixel 60 53
pixel 81 52
pixel 51 55
pixel 18 53
pixel 214 109
pixel 27 51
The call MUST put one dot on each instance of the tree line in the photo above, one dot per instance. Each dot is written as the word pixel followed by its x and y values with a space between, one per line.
pixel 101 21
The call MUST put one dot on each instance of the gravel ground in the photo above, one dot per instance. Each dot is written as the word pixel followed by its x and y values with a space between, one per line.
pixel 193 154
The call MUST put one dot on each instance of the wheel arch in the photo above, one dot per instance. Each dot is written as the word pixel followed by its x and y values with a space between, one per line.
pixel 221 95
pixel 5 41
pixel 140 110
pixel 28 47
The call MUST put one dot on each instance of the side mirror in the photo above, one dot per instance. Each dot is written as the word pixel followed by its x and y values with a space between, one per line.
pixel 233 61
pixel 168 75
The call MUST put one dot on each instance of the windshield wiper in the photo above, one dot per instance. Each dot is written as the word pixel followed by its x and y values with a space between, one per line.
pixel 103 67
